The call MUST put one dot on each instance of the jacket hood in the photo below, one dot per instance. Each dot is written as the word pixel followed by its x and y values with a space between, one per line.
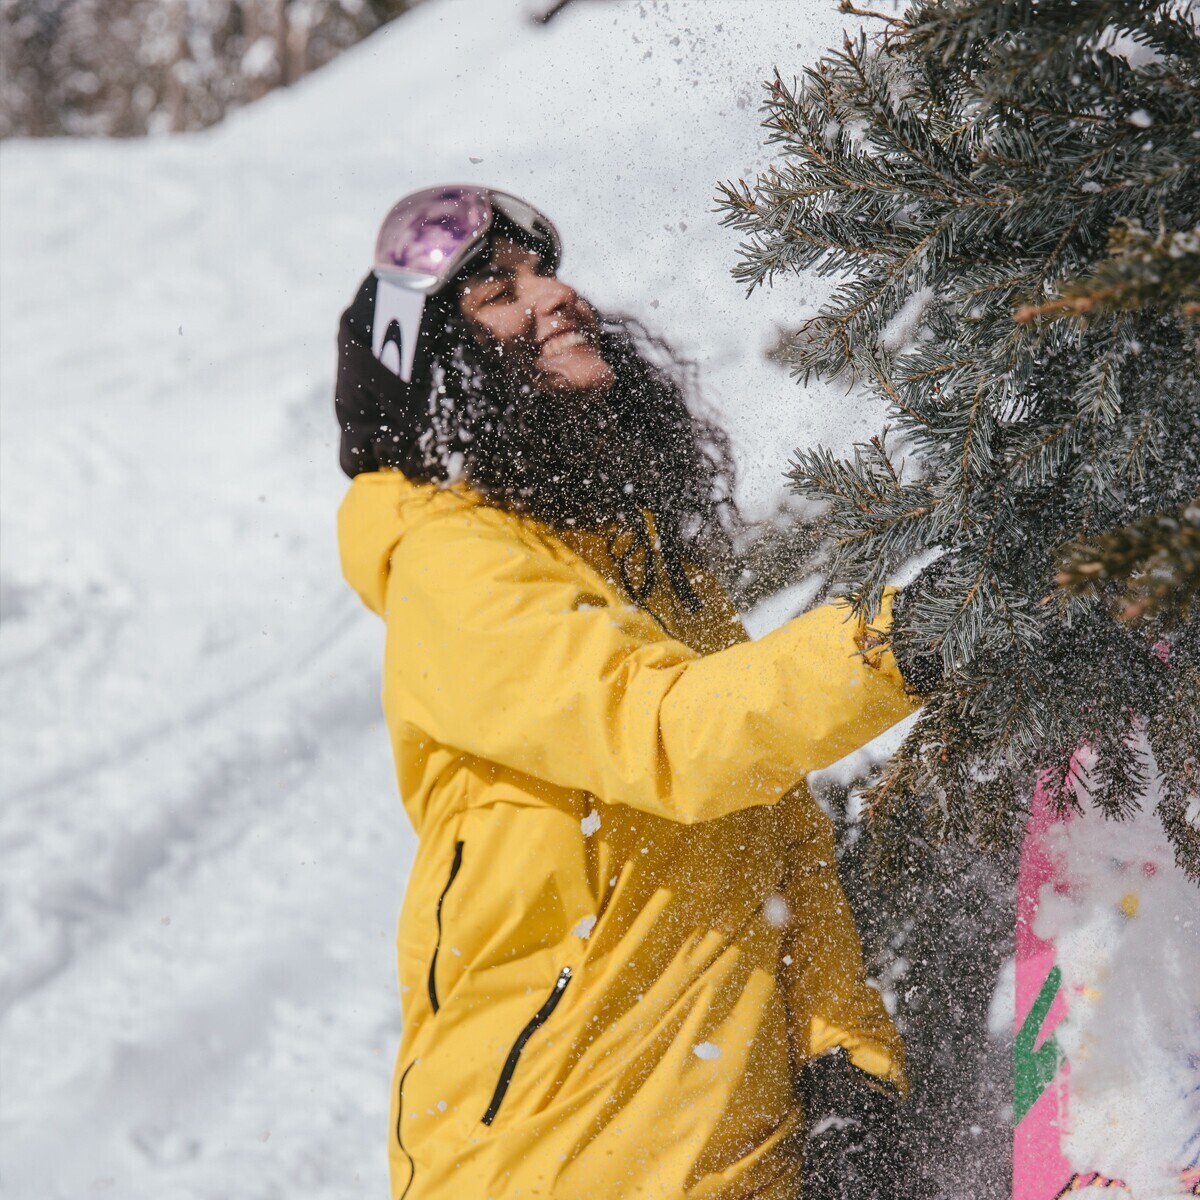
pixel 379 510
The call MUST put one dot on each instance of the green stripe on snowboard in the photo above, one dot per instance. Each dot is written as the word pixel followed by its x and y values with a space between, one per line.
pixel 1034 1070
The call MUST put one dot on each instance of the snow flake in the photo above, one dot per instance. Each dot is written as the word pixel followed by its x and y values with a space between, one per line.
pixel 441 1106
pixel 776 911
pixel 707 1051
pixel 787 960
pixel 584 927
pixel 1141 118
pixel 590 823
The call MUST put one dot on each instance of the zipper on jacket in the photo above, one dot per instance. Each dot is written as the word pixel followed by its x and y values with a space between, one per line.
pixel 454 866
pixel 510 1063
pixel 412 1166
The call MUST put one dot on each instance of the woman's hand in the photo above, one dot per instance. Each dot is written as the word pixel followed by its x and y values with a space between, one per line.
pixel 855 1150
pixel 920 664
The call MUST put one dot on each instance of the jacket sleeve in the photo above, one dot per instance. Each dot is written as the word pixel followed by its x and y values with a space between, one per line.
pixel 498 649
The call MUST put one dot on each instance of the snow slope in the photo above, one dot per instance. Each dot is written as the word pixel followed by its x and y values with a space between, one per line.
pixel 201 849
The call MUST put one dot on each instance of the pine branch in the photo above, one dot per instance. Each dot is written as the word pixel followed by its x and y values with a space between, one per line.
pixel 846 7
pixel 1140 272
pixel 545 14
pixel 1151 567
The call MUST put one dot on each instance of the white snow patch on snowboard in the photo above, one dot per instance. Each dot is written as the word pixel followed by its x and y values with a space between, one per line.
pixel 1128 938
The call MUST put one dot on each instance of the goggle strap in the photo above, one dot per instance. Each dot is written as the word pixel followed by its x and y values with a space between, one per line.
pixel 396 326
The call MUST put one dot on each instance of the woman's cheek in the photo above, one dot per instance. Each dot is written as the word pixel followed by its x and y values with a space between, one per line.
pixel 518 332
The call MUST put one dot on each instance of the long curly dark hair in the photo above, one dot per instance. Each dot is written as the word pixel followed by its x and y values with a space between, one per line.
pixel 596 464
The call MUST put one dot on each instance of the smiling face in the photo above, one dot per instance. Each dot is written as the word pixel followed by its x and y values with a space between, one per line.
pixel 547 334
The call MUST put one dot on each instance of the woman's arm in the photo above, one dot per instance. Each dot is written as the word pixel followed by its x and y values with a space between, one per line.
pixel 502 653
pixel 856 1133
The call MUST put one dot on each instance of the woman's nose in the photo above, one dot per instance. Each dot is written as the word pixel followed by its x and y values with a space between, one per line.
pixel 551 294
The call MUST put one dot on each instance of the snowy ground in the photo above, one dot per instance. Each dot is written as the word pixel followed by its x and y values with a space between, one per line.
pixel 201 850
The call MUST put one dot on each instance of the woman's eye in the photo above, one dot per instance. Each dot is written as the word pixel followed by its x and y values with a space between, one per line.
pixel 501 297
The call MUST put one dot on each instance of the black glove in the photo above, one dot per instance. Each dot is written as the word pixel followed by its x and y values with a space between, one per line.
pixel 855 1150
pixel 920 665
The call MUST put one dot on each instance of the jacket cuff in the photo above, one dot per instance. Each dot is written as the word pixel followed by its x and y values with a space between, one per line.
pixel 874 641
pixel 883 1065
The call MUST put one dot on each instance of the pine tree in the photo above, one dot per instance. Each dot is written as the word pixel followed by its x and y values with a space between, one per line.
pixel 980 177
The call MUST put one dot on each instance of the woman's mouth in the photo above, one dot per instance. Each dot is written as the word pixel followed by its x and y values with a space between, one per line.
pixel 560 343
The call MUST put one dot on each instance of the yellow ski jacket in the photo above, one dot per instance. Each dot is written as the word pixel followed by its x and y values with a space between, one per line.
pixel 623 931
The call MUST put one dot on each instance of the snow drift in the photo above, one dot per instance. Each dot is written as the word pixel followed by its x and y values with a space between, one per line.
pixel 203 853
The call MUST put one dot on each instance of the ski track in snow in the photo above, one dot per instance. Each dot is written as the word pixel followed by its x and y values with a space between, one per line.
pixel 202 849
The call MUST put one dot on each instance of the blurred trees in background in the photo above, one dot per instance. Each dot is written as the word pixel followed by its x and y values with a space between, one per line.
pixel 119 68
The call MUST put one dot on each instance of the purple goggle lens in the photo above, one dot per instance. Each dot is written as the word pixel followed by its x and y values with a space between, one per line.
pixel 429 236
pixel 425 240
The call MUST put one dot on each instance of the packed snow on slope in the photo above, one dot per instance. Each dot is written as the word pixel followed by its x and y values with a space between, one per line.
pixel 203 852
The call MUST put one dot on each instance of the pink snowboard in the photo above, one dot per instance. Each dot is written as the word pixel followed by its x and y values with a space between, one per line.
pixel 1042 1095
pixel 1040 1070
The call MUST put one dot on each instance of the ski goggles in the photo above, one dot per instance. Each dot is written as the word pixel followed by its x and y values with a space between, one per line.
pixel 425 241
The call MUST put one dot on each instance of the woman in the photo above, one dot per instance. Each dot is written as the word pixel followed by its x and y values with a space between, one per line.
pixel 627 966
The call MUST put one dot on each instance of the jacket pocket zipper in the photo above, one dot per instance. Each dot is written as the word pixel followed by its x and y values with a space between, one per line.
pixel 412 1166
pixel 454 867
pixel 538 1019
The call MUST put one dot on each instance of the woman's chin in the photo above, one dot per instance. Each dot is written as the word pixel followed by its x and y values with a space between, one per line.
pixel 576 373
